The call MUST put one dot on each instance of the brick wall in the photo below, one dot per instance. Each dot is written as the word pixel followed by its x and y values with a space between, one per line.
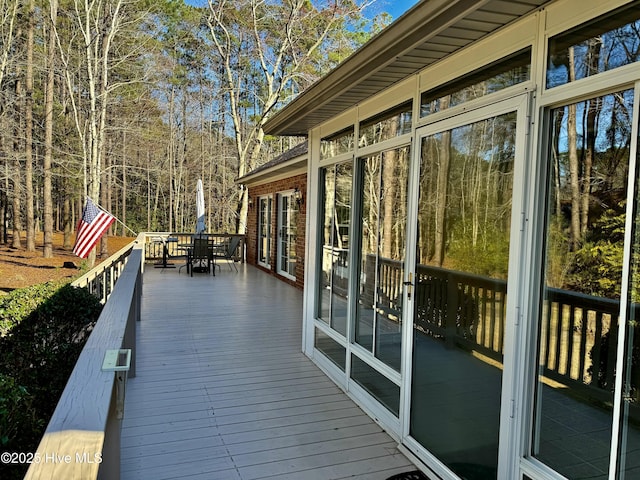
pixel 272 189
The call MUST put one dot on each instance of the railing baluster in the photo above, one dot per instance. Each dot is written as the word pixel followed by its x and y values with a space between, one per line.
pixel 570 331
pixel 583 343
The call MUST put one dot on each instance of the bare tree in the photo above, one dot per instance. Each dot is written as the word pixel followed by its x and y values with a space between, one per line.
pixel 48 141
pixel 28 143
pixel 8 18
pixel 265 49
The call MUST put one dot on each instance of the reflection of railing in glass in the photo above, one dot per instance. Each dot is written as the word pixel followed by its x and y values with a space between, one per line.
pixel 578 332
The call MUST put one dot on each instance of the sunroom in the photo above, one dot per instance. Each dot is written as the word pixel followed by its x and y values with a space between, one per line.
pixel 472 251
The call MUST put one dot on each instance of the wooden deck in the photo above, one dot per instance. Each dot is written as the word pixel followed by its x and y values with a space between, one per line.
pixel 223 392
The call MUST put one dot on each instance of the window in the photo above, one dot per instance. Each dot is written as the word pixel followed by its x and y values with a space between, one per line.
pixel 390 124
pixel 492 78
pixel 603 44
pixel 337 144
pixel 382 238
pixel 580 307
pixel 335 219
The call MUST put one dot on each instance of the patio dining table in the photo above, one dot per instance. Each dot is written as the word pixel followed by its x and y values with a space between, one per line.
pixel 188 249
pixel 164 241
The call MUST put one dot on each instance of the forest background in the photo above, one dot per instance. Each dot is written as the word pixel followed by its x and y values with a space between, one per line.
pixel 129 102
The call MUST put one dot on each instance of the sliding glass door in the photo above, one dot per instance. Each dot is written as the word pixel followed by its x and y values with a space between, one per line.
pixel 264 231
pixel 462 250
pixel 589 225
pixel 287 235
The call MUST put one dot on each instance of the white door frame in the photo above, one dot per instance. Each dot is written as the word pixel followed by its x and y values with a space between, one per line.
pixel 282 238
pixel 268 200
pixel 508 456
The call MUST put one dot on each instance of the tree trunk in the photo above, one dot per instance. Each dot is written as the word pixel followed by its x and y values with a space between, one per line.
pixel 593 111
pixel 48 135
pixel 67 222
pixel 572 138
pixel 16 241
pixel 442 183
pixel 28 150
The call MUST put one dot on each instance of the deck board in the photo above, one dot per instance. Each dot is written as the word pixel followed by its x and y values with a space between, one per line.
pixel 223 392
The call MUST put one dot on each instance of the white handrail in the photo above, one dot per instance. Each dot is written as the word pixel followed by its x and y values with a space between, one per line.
pixel 82 440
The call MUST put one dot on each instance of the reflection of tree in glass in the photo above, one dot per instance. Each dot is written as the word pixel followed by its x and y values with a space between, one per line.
pixel 590 151
pixel 465 197
pixel 601 45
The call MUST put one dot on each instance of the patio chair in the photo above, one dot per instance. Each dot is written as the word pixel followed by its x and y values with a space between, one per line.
pixel 227 251
pixel 199 256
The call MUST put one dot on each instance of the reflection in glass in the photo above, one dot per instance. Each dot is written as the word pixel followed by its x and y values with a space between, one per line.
pixel 464 214
pixel 288 223
pixel 335 217
pixel 605 43
pixel 327 196
pixel 387 125
pixel 340 271
pixel 331 349
pixel 379 386
pixel 337 144
pixel 628 464
pixel 492 78
pixel 264 230
pixel 578 328
pixel 378 323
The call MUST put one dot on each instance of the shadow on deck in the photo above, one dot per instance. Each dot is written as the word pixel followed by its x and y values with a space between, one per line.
pixel 223 391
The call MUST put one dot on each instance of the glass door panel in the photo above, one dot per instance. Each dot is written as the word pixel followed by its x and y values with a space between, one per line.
pixel 578 326
pixel 382 235
pixel 462 257
pixel 628 464
pixel 264 231
pixel 287 226
pixel 334 258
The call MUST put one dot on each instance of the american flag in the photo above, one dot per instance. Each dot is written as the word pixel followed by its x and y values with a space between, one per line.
pixel 92 226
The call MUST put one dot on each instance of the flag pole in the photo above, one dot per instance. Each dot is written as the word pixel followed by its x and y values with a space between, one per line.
pixel 135 234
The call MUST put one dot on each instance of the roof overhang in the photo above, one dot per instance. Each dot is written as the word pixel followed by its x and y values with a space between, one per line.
pixel 290 163
pixel 429 32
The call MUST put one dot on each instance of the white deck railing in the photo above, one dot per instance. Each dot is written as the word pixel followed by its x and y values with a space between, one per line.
pixel 82 440
pixel 101 279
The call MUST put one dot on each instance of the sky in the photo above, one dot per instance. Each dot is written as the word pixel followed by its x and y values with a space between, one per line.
pixel 393 7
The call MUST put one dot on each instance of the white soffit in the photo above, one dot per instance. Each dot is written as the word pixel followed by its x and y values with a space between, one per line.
pixel 430 31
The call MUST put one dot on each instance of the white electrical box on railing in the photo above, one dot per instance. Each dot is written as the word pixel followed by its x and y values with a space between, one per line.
pixel 118 361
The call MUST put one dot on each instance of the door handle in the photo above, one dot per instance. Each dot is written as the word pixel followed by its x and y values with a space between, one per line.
pixel 409 285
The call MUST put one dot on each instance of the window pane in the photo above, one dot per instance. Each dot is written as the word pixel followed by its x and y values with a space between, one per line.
pixel 364 325
pixel 264 230
pixel 578 327
pixel 379 386
pixel 337 144
pixel 490 79
pixel 331 349
pixel 605 43
pixel 628 465
pixel 326 230
pixel 340 258
pixel 386 125
pixel 334 269
pixel 464 216
pixel 378 324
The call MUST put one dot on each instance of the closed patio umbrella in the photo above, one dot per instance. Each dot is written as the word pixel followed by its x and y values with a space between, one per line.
pixel 200 226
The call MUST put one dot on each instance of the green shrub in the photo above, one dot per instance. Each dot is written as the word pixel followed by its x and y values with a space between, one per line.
pixel 44 329
pixel 18 304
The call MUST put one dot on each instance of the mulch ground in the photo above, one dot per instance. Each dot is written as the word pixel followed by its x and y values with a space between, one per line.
pixel 19 268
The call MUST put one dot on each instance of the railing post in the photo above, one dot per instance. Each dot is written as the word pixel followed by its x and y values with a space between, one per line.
pixel 452 310
pixel 111 450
